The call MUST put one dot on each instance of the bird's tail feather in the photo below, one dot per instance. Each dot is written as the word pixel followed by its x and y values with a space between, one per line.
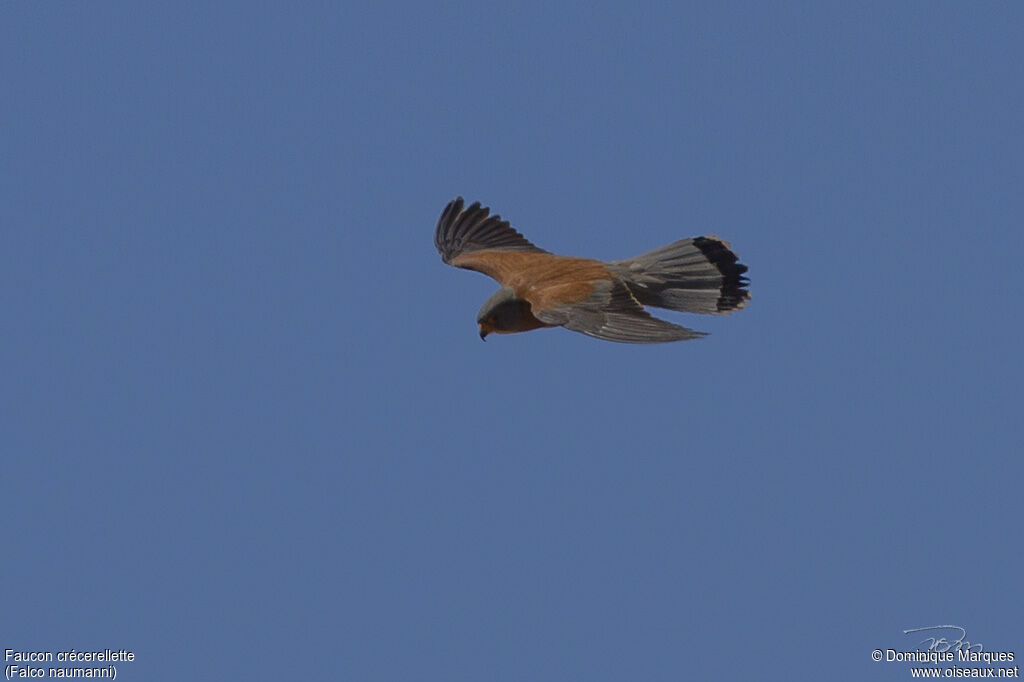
pixel 698 275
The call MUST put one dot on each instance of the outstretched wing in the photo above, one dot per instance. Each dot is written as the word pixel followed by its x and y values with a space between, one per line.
pixel 474 231
pixel 611 313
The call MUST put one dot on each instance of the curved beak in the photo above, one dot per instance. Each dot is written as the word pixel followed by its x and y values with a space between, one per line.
pixel 483 334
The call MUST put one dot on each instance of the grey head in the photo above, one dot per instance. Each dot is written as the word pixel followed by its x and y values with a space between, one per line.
pixel 504 313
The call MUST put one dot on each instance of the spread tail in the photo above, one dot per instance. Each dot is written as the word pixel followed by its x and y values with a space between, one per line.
pixel 698 275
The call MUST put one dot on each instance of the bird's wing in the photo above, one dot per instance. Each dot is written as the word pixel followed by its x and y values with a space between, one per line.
pixel 608 312
pixel 471 238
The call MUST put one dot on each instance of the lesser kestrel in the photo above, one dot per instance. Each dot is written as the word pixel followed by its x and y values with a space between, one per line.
pixel 601 299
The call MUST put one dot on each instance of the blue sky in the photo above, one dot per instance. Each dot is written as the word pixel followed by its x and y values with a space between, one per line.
pixel 248 429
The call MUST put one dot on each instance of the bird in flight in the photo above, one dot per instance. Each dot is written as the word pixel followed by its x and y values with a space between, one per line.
pixel 601 299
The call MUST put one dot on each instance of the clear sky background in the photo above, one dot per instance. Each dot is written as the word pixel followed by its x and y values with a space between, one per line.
pixel 249 430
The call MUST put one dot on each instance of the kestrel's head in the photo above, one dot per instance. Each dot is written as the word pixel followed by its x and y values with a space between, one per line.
pixel 486 327
pixel 503 313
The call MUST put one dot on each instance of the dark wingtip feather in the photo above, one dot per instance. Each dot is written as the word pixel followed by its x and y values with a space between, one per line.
pixel 445 222
pixel 474 228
